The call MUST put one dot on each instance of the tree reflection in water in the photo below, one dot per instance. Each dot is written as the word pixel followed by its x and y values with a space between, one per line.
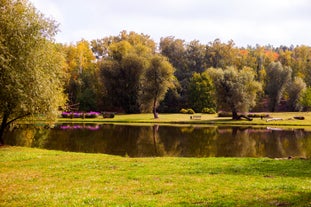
pixel 157 140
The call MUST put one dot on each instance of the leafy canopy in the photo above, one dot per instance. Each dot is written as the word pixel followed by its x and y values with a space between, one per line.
pixel 235 89
pixel 30 63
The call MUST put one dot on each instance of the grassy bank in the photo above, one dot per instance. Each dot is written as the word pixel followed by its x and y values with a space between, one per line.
pixel 287 119
pixel 34 177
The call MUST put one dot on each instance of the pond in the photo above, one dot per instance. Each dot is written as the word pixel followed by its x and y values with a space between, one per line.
pixel 163 140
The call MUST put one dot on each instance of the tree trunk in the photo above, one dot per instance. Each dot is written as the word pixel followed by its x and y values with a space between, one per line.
pixel 235 115
pixel 155 114
pixel 2 128
pixel 154 109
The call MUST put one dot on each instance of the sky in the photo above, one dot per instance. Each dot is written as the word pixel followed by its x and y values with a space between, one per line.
pixel 246 22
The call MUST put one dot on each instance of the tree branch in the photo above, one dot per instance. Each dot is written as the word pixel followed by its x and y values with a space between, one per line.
pixel 19 117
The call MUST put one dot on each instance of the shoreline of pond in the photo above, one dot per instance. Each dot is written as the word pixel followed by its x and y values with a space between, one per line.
pixel 284 119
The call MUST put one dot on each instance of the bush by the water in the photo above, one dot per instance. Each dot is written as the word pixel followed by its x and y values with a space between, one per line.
pixel 250 115
pixel 187 111
pixel 108 115
pixel 224 114
pixel 208 111
pixel 254 115
pixel 91 114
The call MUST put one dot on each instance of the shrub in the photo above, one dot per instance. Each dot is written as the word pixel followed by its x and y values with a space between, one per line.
pixel 190 111
pixel 224 114
pixel 71 115
pixel 77 115
pixel 183 111
pixel 92 114
pixel 187 111
pixel 66 114
pixel 208 111
pixel 108 115
pixel 252 115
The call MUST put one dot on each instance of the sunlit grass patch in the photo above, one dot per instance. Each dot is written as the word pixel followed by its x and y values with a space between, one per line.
pixel 33 177
pixel 287 119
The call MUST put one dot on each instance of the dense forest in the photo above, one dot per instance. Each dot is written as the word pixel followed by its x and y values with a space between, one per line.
pixel 110 74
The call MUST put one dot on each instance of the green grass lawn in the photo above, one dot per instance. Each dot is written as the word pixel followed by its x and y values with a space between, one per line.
pixel 35 177
pixel 205 119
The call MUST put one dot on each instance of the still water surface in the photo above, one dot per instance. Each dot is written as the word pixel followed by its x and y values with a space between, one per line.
pixel 158 140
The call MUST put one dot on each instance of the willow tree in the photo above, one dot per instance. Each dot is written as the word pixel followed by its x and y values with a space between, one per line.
pixel 235 89
pixel 121 74
pixel 157 80
pixel 295 91
pixel 30 66
pixel 278 77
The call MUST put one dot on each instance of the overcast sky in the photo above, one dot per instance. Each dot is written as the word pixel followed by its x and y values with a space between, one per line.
pixel 246 22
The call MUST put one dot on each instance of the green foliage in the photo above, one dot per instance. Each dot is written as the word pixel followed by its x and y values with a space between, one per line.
pixel 295 91
pixel 157 80
pixel 82 85
pixel 31 64
pixel 194 57
pixel 258 115
pixel 172 101
pixel 276 82
pixel 236 90
pixel 221 55
pixel 123 70
pixel 190 111
pixel 305 100
pixel 201 92
pixel 122 81
pixel 224 114
pixel 208 111
pixel 183 111
pixel 108 115
pixel 187 111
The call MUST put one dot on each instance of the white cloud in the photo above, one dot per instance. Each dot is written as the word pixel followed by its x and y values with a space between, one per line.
pixel 49 8
pixel 246 22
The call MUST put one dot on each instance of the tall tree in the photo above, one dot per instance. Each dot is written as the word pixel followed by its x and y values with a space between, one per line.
pixel 186 59
pixel 122 81
pixel 122 70
pixel 174 50
pixel 276 81
pixel 201 92
pixel 157 79
pixel 194 58
pixel 221 55
pixel 31 66
pixel 301 64
pixel 295 93
pixel 235 89
pixel 82 72
pixel 305 100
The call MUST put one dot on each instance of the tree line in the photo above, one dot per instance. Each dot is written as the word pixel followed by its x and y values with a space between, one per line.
pixel 221 76
pixel 131 73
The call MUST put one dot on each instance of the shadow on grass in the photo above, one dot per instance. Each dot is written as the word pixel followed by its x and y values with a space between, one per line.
pixel 301 200
pixel 253 166
pixel 267 167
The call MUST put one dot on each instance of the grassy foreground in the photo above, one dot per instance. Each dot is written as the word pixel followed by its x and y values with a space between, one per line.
pixel 35 177
pixel 287 119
